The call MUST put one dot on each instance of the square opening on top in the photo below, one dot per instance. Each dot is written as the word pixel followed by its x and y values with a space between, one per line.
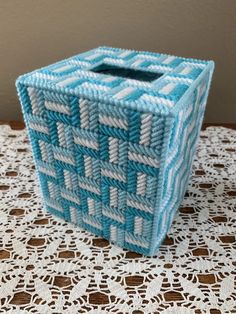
pixel 113 70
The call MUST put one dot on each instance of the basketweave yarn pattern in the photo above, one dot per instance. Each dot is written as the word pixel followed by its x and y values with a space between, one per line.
pixel 113 154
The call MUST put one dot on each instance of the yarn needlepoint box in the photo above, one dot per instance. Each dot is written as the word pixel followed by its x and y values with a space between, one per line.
pixel 113 134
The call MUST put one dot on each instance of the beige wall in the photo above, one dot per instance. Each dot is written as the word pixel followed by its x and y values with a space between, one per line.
pixel 36 33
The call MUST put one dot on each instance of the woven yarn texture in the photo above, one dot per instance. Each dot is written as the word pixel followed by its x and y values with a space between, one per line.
pixel 50 266
pixel 113 154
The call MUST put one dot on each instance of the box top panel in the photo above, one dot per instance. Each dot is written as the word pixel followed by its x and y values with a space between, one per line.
pixel 140 80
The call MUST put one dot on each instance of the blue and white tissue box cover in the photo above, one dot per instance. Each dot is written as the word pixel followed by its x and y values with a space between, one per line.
pixel 113 134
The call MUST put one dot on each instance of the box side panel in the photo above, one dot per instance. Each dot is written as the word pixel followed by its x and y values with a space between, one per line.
pixel 50 119
pixel 185 131
pixel 98 164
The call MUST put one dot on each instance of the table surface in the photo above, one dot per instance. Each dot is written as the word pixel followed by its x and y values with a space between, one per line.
pixel 49 266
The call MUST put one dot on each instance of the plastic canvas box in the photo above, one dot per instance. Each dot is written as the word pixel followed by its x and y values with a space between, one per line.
pixel 113 134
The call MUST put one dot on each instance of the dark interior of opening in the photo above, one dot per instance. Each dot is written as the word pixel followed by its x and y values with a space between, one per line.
pixel 114 70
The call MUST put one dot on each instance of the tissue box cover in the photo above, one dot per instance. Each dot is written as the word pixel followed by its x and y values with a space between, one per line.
pixel 113 134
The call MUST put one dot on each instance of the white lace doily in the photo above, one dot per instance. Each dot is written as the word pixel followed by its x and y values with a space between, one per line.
pixel 49 266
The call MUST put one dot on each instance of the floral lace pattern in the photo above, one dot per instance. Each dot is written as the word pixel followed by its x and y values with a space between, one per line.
pixel 50 266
